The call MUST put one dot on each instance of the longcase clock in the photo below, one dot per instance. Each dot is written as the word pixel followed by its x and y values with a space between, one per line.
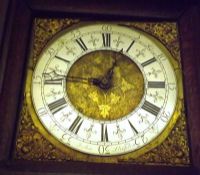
pixel 110 86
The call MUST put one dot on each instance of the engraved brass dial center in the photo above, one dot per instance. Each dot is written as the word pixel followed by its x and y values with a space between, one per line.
pixel 118 87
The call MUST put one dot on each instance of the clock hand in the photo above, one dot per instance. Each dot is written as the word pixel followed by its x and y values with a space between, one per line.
pixel 101 83
pixel 105 82
pixel 111 70
pixel 93 81
pixel 53 75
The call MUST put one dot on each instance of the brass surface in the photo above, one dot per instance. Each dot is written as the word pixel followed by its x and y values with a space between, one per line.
pixel 171 146
pixel 127 83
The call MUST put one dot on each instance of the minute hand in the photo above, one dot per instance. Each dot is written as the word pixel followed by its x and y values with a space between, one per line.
pixel 109 73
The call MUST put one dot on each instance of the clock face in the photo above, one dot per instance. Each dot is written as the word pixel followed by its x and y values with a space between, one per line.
pixel 104 89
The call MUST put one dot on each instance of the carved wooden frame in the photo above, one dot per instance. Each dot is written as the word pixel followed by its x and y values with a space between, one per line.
pixel 16 29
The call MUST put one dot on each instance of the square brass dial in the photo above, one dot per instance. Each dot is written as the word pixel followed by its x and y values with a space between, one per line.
pixel 31 145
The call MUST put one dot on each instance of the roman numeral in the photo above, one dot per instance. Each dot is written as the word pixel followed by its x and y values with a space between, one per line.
pixel 156 84
pixel 81 44
pixel 130 46
pixel 76 125
pixel 62 59
pixel 151 108
pixel 57 105
pixel 104 133
pixel 132 127
pixel 106 39
pixel 54 81
pixel 148 62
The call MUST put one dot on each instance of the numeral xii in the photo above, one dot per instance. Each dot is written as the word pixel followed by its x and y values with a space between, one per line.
pixel 106 39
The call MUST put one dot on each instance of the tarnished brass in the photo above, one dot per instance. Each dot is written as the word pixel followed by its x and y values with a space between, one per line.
pixel 124 95
pixel 169 148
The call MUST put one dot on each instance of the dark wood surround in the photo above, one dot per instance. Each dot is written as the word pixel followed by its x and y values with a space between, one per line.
pixel 16 17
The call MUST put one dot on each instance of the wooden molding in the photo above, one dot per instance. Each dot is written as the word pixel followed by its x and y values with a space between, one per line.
pixel 14 48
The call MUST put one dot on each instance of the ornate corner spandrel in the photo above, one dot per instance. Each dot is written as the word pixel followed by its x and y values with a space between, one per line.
pixel 32 145
pixel 173 151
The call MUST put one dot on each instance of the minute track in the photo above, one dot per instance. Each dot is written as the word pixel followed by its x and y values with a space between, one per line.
pixel 93 82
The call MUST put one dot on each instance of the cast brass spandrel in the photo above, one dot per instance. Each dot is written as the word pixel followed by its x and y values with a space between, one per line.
pixel 32 145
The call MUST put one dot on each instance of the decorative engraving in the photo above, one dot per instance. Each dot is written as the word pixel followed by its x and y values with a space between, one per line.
pixel 89 131
pixel 173 151
pixel 166 32
pixel 127 84
pixel 31 145
pixel 143 119
pixel 104 110
pixel 44 30
pixel 154 72
pixel 70 50
pixel 57 70
pixel 118 41
pixel 155 96
pixel 119 132
pixel 140 52
pixel 65 116
pixel 53 93
pixel 93 40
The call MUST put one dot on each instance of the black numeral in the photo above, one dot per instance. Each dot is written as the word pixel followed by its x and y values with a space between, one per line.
pixel 56 106
pixel 76 125
pixel 130 46
pixel 62 59
pixel 148 62
pixel 81 44
pixel 106 39
pixel 54 81
pixel 104 133
pixel 156 84
pixel 132 127
pixel 151 108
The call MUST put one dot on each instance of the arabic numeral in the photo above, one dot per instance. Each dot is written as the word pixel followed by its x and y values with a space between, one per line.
pixel 172 86
pixel 165 117
pixel 107 28
pixel 144 139
pixel 51 52
pixel 103 150
pixel 76 33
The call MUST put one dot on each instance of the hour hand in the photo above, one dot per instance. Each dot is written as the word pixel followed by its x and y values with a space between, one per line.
pixel 93 81
pixel 99 82
pixel 78 79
